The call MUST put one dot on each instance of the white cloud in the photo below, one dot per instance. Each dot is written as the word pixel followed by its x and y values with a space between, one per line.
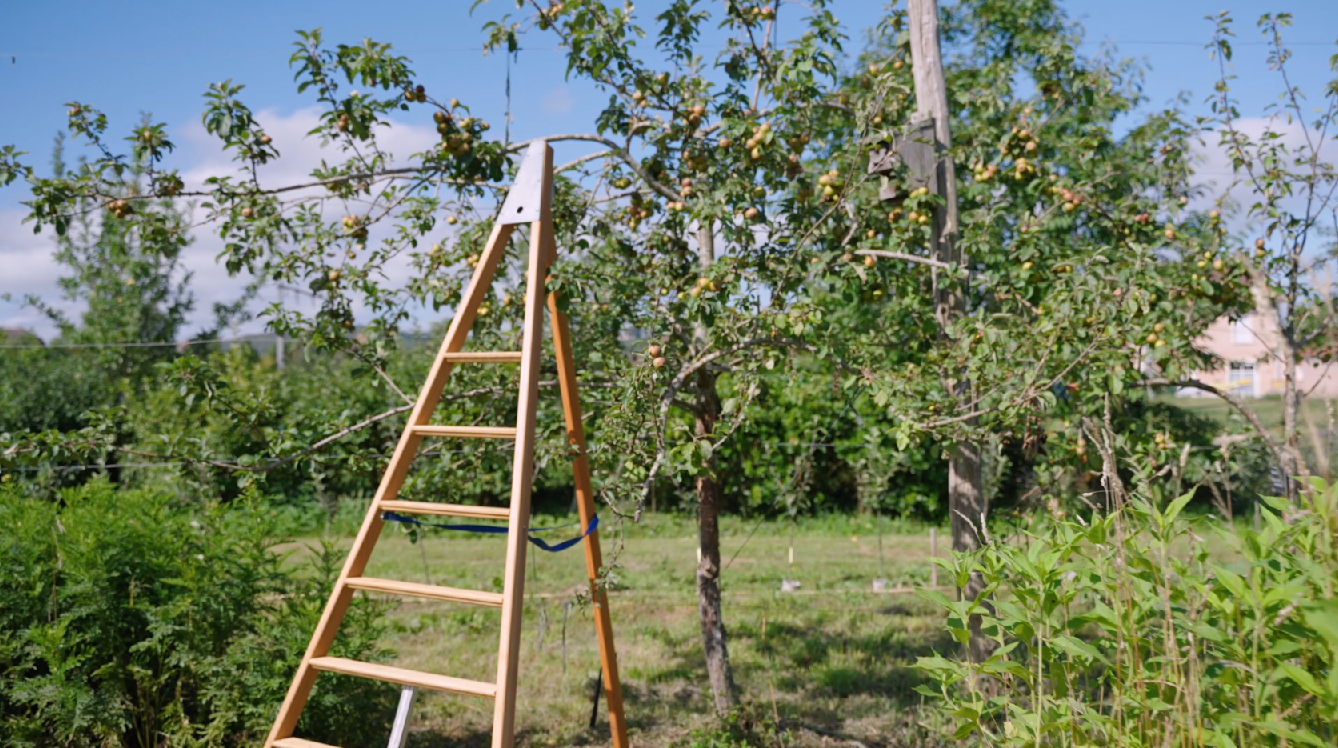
pixel 30 267
pixel 1213 167
pixel 300 152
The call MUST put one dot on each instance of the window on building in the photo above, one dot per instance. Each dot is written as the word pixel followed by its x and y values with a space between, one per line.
pixel 1240 377
pixel 1242 330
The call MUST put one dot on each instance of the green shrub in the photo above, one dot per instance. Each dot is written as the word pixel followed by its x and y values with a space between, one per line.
pixel 1127 631
pixel 126 622
pixel 741 728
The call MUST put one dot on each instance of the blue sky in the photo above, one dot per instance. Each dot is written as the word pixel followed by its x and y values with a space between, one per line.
pixel 156 56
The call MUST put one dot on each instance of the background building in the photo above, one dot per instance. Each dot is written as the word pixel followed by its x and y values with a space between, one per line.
pixel 1251 367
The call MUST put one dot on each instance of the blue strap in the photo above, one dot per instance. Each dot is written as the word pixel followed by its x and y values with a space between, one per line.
pixel 497 530
pixel 564 545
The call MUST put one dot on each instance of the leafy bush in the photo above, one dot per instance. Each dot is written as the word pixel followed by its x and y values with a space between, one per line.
pixel 125 622
pixel 739 728
pixel 1127 631
pixel 43 389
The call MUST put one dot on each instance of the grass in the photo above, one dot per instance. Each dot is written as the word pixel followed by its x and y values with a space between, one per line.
pixel 832 658
pixel 1268 409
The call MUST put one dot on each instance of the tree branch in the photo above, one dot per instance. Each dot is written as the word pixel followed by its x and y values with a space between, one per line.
pixel 1231 400
pixel 902 256
pixel 614 150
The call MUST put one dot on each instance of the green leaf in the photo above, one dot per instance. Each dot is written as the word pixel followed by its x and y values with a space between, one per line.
pixel 1284 730
pixel 1301 678
pixel 1322 616
pixel 936 597
pixel 1076 648
pixel 1281 649
pixel 1173 510
pixel 1234 583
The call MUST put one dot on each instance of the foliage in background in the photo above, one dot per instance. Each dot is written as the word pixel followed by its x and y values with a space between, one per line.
pixel 128 273
pixel 809 445
pixel 129 276
pixel 127 622
pixel 47 389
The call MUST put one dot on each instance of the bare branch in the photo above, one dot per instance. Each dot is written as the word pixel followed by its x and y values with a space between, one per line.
pixel 577 162
pixel 902 256
pixel 614 150
pixel 391 383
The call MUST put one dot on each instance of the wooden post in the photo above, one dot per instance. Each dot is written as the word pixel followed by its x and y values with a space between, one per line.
pixel 933 553
pixel 965 495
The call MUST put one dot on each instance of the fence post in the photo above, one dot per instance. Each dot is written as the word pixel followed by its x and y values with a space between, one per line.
pixel 933 553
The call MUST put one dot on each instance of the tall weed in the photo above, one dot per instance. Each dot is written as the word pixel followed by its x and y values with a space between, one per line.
pixel 1126 631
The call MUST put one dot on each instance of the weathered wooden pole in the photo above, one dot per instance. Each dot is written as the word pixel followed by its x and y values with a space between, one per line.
pixel 966 499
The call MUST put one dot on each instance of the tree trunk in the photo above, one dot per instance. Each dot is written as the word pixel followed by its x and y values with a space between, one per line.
pixel 966 495
pixel 1278 336
pixel 964 483
pixel 1291 445
pixel 718 670
pixel 1290 393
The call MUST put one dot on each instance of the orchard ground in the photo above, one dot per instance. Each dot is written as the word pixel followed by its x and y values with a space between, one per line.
pixel 1268 408
pixel 830 663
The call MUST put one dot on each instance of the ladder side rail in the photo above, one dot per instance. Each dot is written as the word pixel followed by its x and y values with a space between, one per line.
pixel 522 470
pixel 585 503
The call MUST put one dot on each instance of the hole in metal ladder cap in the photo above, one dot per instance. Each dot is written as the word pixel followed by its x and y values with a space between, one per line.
pixel 520 209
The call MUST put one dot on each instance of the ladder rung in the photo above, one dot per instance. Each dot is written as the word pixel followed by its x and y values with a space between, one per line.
pixel 446 510
pixel 299 743
pixel 413 589
pixel 483 357
pixel 404 677
pixel 468 432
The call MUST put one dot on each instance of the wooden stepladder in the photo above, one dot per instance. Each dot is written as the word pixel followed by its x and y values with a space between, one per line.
pixel 529 201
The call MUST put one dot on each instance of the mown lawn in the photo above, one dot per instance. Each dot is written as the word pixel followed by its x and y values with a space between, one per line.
pixel 833 659
pixel 1268 409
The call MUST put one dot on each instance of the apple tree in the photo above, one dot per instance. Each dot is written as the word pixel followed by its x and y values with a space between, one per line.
pixel 1283 195
pixel 688 221
pixel 720 223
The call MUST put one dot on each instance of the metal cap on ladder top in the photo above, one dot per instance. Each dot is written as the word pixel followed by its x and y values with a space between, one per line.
pixel 526 198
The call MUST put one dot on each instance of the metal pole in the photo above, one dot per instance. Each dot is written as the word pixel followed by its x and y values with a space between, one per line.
pixel 400 730
pixel 594 706
pixel 882 568
pixel 566 613
pixel 278 339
